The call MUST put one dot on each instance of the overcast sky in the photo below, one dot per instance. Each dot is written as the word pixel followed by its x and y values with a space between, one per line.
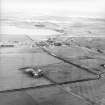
pixel 90 8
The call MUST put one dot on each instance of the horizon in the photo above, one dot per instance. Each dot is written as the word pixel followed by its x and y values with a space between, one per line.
pixel 67 8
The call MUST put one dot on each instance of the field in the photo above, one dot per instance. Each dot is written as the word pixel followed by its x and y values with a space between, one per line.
pixel 73 76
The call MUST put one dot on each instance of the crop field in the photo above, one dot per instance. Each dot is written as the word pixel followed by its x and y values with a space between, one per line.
pixel 74 71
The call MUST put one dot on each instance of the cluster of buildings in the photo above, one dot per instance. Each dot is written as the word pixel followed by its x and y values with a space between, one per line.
pixel 53 42
pixel 4 44
pixel 48 42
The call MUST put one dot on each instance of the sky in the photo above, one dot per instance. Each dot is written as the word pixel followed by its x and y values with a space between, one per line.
pixel 82 8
